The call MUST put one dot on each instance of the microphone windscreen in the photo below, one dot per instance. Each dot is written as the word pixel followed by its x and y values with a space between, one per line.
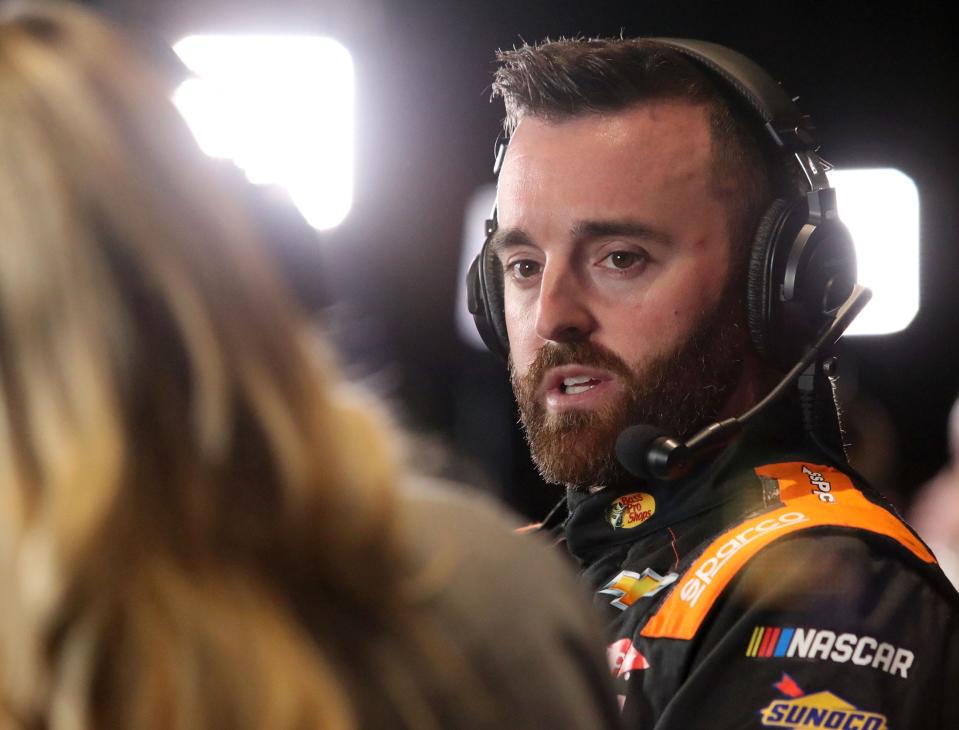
pixel 632 448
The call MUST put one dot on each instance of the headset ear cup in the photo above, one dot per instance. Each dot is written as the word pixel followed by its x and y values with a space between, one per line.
pixel 800 272
pixel 493 291
pixel 484 283
pixel 759 283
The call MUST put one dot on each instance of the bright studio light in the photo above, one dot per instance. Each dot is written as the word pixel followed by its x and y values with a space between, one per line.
pixel 281 107
pixel 881 208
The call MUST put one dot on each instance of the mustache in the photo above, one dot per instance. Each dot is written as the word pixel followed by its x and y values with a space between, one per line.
pixel 556 354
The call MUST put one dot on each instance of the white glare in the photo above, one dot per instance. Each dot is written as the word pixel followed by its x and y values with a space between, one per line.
pixel 281 107
pixel 881 208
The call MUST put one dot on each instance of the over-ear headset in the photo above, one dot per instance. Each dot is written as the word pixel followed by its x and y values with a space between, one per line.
pixel 802 265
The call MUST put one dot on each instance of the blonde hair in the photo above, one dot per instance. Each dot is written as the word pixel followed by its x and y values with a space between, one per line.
pixel 188 495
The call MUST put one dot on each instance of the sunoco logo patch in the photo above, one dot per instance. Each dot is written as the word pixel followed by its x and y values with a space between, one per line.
pixel 818 710
pixel 631 510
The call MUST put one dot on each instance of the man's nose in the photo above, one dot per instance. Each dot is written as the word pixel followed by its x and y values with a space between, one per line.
pixel 563 313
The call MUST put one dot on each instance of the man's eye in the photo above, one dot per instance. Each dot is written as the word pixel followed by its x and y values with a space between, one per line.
pixel 623 260
pixel 524 269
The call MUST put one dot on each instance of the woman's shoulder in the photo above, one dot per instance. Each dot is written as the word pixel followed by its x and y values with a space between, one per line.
pixel 477 533
pixel 513 605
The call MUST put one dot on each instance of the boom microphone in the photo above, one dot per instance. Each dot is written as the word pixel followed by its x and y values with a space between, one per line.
pixel 647 452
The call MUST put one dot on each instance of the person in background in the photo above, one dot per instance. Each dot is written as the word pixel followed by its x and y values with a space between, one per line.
pixel 934 511
pixel 201 524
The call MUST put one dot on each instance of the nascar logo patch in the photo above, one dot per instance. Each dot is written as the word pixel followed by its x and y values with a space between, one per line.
pixel 806 643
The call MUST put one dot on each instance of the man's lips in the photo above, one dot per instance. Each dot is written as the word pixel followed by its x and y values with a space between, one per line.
pixel 575 386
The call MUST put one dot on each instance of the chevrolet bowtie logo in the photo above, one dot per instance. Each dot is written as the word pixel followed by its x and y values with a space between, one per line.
pixel 628 587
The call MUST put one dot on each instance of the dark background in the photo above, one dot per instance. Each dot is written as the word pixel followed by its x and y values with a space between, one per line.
pixel 875 77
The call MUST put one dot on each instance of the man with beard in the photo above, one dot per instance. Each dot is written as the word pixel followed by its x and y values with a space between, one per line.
pixel 630 277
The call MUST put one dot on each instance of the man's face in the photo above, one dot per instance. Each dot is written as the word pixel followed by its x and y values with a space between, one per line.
pixel 616 255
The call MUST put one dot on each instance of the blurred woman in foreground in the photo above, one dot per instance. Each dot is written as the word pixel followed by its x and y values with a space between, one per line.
pixel 200 525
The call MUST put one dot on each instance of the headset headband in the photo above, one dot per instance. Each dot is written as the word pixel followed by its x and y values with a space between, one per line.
pixel 788 128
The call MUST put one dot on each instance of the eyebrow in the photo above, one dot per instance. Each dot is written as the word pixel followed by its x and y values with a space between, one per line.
pixel 588 230
pixel 509 238
pixel 581 232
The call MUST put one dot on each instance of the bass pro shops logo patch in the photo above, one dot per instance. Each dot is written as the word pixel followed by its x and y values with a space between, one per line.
pixel 631 510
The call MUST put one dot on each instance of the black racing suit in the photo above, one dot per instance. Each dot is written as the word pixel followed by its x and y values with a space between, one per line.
pixel 768 590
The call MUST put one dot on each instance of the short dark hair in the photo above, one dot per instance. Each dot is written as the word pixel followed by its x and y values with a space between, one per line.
pixel 558 80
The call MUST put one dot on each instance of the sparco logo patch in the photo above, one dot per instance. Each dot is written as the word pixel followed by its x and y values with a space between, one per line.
pixel 804 643
pixel 631 510
pixel 817 710
pixel 694 586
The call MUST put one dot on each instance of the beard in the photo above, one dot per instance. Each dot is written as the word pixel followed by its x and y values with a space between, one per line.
pixel 679 392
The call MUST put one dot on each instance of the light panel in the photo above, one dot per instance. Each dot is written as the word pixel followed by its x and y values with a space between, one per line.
pixel 880 206
pixel 281 107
